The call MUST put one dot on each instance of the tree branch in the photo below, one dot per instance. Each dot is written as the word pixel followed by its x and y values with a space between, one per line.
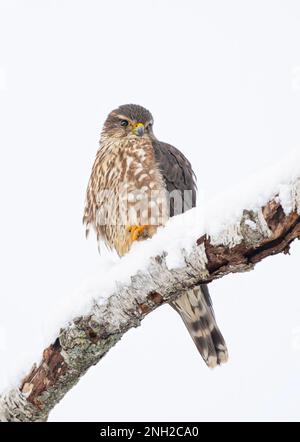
pixel 86 339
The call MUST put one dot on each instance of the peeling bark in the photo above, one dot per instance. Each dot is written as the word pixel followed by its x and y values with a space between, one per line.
pixel 88 338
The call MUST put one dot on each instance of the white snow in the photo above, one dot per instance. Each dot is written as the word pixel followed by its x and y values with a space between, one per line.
pixel 227 208
pixel 213 217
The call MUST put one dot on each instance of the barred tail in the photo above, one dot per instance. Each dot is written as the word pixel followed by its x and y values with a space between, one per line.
pixel 195 308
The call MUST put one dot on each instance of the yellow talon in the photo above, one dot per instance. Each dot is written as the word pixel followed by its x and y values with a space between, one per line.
pixel 136 231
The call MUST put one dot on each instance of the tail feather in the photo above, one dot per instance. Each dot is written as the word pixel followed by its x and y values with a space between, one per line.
pixel 195 308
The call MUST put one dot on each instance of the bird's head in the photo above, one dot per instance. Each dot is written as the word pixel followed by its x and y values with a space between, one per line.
pixel 129 120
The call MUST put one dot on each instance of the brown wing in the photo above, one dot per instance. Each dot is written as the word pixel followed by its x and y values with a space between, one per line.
pixel 194 306
pixel 178 175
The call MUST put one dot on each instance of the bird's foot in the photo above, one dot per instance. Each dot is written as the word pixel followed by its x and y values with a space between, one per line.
pixel 137 231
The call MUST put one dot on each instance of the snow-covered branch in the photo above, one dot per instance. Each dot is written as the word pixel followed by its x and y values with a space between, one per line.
pixel 180 256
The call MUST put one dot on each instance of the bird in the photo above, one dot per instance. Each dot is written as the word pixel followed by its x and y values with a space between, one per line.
pixel 137 183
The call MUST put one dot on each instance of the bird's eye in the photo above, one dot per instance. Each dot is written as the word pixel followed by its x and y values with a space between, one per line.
pixel 149 126
pixel 124 123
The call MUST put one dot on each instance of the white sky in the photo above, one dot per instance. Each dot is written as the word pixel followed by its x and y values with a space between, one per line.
pixel 223 82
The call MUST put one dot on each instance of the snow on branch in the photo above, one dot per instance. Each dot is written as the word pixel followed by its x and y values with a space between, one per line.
pixel 230 235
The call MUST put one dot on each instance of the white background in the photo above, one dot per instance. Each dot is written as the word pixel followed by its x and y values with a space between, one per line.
pixel 222 80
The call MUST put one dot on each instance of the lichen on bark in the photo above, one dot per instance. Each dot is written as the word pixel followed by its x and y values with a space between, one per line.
pixel 87 339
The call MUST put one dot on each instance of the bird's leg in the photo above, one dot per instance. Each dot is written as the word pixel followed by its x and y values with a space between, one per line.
pixel 137 231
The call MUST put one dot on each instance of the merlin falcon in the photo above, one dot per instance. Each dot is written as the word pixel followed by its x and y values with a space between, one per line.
pixel 137 183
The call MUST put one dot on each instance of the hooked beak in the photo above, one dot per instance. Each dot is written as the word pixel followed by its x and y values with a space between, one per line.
pixel 139 129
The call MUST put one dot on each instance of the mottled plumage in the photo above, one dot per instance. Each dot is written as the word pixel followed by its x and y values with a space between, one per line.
pixel 137 183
